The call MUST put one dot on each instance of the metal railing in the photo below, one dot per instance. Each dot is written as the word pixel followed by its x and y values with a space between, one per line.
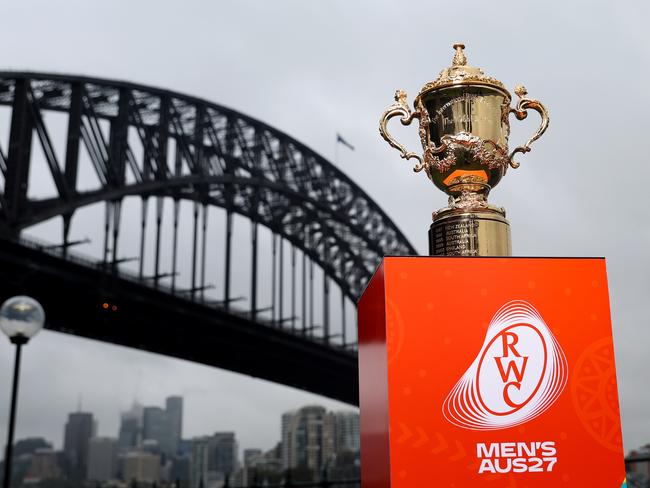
pixel 109 267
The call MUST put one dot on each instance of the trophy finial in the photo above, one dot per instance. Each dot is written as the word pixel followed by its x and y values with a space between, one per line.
pixel 459 58
pixel 520 91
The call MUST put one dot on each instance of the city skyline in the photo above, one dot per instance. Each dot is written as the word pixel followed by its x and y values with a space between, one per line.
pixel 312 439
pixel 58 444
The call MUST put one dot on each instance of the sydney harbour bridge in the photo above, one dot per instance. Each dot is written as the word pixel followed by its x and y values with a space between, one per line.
pixel 217 238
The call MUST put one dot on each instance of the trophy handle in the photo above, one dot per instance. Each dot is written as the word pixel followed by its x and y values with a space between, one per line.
pixel 521 112
pixel 400 108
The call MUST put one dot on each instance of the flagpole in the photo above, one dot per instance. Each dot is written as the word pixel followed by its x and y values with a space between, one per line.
pixel 340 140
pixel 336 151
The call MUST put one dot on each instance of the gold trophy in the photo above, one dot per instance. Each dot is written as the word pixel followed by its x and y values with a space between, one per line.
pixel 464 129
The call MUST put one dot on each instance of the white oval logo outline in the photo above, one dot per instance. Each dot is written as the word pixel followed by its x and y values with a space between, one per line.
pixel 465 406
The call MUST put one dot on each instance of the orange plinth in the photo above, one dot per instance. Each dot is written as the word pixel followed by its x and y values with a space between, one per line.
pixel 493 372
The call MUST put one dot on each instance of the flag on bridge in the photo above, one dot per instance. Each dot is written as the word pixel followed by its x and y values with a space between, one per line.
pixel 340 140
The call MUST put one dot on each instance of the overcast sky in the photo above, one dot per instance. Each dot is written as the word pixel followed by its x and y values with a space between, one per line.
pixel 314 68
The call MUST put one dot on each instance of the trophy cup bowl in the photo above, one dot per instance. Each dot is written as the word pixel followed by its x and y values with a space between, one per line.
pixel 468 121
pixel 464 129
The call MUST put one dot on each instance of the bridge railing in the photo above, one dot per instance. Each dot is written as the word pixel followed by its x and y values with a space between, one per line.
pixel 109 267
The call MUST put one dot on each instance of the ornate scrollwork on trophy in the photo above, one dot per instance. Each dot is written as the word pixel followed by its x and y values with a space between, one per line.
pixel 468 200
pixel 400 109
pixel 465 145
pixel 521 112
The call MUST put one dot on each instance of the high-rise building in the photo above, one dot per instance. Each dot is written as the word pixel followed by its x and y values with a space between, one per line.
pixel 130 435
pixel 78 431
pixel 347 432
pixel 156 427
pixel 44 465
pixel 286 440
pixel 174 408
pixel 308 438
pixel 252 457
pixel 165 426
pixel 199 462
pixel 272 459
pixel 143 467
pixel 29 445
pixel 150 445
pixel 102 459
pixel 180 470
pixel 185 447
pixel 223 457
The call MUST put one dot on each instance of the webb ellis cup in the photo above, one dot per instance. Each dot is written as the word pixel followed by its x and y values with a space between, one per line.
pixel 464 129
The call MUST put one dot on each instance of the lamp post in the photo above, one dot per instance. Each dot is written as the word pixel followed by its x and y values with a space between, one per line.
pixel 21 318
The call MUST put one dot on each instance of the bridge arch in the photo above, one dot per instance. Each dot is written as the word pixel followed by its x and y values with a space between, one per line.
pixel 221 157
pixel 160 145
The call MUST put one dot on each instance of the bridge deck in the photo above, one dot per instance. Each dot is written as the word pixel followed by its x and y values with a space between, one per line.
pixel 74 295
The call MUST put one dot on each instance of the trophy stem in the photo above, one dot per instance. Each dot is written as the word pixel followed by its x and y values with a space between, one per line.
pixel 470 232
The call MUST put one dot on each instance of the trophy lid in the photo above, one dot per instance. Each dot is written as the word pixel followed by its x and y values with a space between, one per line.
pixel 460 73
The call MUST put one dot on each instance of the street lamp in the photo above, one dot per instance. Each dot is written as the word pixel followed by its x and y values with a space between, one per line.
pixel 21 318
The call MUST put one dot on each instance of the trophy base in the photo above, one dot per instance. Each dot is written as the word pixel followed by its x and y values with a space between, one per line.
pixel 470 232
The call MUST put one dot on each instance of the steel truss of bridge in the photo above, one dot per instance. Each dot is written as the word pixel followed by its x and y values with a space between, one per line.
pixel 158 145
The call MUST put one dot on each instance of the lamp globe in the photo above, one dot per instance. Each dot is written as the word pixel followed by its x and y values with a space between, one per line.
pixel 21 318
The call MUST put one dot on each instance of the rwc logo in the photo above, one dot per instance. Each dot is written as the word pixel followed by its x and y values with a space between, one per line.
pixel 518 374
